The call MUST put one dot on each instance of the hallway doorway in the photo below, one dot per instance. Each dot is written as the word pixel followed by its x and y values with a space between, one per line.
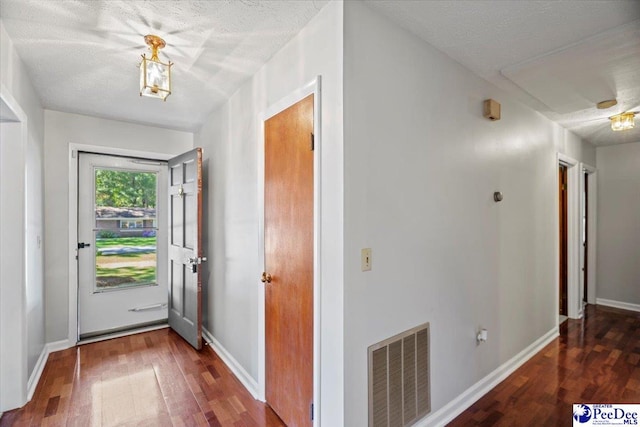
pixel 576 220
pixel 563 238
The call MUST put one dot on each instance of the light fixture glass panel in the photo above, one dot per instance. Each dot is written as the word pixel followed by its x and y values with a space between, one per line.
pixel 623 121
pixel 155 78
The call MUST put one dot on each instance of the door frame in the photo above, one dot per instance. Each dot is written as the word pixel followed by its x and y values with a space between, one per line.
pixel 592 173
pixel 574 171
pixel 73 223
pixel 313 87
pixel 14 379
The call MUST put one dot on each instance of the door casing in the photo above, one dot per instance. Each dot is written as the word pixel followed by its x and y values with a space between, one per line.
pixel 73 220
pixel 591 228
pixel 574 246
pixel 313 87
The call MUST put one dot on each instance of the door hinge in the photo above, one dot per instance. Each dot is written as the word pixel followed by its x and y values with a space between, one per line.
pixel 311 412
pixel 313 142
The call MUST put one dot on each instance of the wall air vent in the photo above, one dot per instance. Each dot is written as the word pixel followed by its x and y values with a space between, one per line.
pixel 399 379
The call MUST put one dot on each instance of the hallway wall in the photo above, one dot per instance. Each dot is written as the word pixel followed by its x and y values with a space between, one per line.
pixel 231 141
pixel 618 254
pixel 15 80
pixel 421 167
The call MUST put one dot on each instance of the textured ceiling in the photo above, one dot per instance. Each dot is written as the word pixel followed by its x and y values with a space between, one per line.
pixel 558 57
pixel 82 55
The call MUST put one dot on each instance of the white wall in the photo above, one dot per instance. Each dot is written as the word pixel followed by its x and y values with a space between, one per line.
pixel 618 269
pixel 15 81
pixel 231 141
pixel 421 166
pixel 570 144
pixel 62 129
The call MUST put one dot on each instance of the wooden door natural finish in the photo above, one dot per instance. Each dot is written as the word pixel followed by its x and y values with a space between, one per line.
pixel 562 191
pixel 185 246
pixel 288 223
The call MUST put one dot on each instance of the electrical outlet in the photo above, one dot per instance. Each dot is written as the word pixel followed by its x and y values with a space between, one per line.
pixel 365 262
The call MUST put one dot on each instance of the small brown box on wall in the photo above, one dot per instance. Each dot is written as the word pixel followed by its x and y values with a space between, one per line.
pixel 491 109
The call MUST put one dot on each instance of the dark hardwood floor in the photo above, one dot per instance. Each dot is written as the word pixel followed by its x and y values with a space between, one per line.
pixel 595 360
pixel 156 379
pixel 149 379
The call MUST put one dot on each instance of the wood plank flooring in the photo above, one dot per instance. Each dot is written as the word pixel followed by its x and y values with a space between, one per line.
pixel 595 360
pixel 149 379
pixel 156 379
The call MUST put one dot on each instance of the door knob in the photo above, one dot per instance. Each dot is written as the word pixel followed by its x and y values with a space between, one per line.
pixel 266 278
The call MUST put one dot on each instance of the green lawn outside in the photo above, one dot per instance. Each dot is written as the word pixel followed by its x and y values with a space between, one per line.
pixel 125 241
pixel 133 274
pixel 132 268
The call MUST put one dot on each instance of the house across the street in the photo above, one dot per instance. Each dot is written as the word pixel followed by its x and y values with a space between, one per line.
pixel 125 221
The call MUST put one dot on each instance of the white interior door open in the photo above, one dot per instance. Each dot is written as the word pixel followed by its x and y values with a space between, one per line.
pixel 185 246
pixel 122 244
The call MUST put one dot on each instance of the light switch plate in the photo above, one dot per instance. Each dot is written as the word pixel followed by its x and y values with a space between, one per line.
pixel 365 261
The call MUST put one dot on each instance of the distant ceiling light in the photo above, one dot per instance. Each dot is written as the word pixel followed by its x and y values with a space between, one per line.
pixel 623 121
pixel 155 76
pixel 603 105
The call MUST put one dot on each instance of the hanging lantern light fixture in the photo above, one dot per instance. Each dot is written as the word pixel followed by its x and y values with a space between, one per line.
pixel 155 75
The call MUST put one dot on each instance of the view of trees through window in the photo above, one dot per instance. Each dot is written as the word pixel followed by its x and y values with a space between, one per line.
pixel 125 238
pixel 125 189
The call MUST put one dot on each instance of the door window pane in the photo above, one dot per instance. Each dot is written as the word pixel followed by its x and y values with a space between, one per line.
pixel 125 232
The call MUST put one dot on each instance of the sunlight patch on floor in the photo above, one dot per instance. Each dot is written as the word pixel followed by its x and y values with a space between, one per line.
pixel 128 399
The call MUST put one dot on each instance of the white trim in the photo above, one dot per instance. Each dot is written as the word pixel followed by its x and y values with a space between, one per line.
pixel 234 366
pixel 48 348
pixel 454 408
pixel 52 347
pixel 592 223
pixel 574 305
pixel 13 300
pixel 618 304
pixel 37 373
pixel 73 217
pixel 313 87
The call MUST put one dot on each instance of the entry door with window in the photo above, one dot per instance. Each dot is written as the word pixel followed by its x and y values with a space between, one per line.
pixel 122 249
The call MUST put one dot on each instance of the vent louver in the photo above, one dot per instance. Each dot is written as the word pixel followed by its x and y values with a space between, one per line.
pixel 399 390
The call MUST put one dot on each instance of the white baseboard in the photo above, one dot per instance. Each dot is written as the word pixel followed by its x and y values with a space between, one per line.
pixel 34 379
pixel 37 373
pixel 618 304
pixel 52 347
pixel 243 376
pixel 454 408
